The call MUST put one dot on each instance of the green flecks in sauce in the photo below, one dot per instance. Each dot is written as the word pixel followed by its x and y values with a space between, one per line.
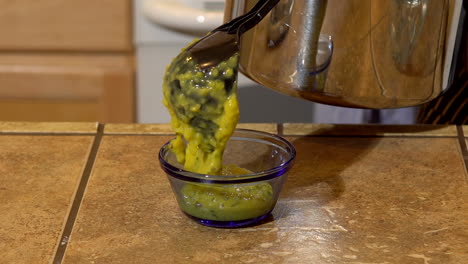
pixel 226 203
pixel 204 109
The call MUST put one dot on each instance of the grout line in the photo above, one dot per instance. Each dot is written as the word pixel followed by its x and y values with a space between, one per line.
pixel 463 147
pixel 10 133
pixel 67 230
pixel 366 136
pixel 68 51
pixel 280 129
pixel 137 134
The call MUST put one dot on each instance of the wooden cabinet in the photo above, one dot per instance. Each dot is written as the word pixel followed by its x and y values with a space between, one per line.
pixel 66 60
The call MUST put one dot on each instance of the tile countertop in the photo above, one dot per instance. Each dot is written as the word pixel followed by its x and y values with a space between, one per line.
pixel 93 193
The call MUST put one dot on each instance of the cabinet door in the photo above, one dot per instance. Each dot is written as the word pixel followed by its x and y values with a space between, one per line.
pixel 38 87
pixel 78 25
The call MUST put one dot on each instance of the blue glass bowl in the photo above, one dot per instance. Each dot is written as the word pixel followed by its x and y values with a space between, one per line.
pixel 238 200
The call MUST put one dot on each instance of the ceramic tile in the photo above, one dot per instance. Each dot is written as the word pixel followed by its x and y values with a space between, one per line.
pixel 369 130
pixel 48 127
pixel 358 200
pixel 265 127
pixel 164 129
pixel 128 200
pixel 153 129
pixel 38 177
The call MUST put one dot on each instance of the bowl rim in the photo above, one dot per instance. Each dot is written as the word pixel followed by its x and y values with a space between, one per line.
pixel 271 173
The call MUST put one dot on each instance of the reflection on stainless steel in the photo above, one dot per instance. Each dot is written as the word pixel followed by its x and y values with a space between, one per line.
pixel 308 75
pixel 280 19
pixel 407 48
pixel 405 29
pixel 385 53
pixel 313 64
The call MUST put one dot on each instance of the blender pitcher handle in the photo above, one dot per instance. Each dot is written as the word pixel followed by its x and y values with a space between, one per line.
pixel 315 57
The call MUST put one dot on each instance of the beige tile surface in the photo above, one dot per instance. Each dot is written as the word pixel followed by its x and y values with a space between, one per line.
pixel 164 129
pixel 151 129
pixel 128 203
pixel 38 177
pixel 369 130
pixel 359 200
pixel 265 127
pixel 48 127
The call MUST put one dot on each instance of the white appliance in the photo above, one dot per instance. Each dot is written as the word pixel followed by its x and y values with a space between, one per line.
pixel 164 27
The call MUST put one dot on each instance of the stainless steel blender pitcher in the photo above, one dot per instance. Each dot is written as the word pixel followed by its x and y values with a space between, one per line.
pixel 354 53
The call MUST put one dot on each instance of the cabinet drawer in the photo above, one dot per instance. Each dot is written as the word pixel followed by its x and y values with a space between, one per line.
pixel 103 25
pixel 48 110
pixel 67 88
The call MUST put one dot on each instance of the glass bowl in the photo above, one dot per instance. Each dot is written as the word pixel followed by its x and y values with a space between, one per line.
pixel 238 200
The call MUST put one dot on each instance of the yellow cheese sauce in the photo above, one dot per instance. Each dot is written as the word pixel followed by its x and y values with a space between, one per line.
pixel 204 110
pixel 227 202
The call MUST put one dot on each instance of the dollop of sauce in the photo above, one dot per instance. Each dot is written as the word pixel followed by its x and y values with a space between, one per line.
pixel 204 109
pixel 227 202
pixel 224 203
